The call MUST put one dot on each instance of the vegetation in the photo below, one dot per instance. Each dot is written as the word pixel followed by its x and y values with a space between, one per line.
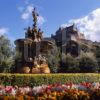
pixel 88 63
pixel 84 63
pixel 69 64
pixel 40 79
pixel 57 91
pixel 6 54
pixel 53 58
pixel 97 54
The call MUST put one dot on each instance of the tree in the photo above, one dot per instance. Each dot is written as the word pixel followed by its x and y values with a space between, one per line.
pixel 6 54
pixel 53 57
pixel 97 53
pixel 69 64
pixel 88 63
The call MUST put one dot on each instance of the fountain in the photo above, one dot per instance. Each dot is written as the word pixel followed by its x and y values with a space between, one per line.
pixel 33 49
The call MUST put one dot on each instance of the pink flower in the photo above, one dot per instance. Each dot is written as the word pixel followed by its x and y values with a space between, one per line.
pixel 8 89
pixel 21 91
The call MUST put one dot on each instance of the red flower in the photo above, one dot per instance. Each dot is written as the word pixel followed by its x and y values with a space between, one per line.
pixel 8 89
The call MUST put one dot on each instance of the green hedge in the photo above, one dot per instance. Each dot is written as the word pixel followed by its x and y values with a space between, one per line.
pixel 39 79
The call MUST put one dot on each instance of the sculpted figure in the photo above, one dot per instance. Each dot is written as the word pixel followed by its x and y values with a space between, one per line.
pixel 29 31
pixel 35 30
pixel 35 61
pixel 35 16
pixel 44 60
pixel 39 35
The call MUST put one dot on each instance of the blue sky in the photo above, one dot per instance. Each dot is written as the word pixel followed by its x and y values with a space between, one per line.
pixel 15 15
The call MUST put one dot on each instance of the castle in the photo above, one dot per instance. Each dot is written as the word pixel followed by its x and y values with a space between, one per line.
pixel 70 40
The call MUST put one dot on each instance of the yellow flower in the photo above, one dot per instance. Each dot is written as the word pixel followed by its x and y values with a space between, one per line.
pixel 41 98
pixel 54 94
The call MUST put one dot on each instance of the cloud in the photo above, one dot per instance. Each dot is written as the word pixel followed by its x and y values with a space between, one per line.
pixel 27 14
pixel 89 25
pixel 40 20
pixel 3 30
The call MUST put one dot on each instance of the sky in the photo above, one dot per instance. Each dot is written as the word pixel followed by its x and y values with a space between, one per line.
pixel 15 16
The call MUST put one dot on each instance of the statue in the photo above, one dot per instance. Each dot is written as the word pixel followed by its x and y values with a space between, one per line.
pixel 40 35
pixel 35 30
pixel 36 62
pixel 39 60
pixel 35 34
pixel 28 32
pixel 35 17
pixel 44 60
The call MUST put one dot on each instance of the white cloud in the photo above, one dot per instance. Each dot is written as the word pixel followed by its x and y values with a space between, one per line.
pixel 89 25
pixel 27 14
pixel 3 30
pixel 40 20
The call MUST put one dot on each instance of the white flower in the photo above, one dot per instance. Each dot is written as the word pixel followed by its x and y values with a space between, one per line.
pixel 74 86
pixel 13 92
pixel 2 92
pixel 39 89
pixel 27 89
pixel 96 85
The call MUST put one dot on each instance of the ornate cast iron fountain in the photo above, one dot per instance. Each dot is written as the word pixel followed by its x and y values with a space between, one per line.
pixel 33 49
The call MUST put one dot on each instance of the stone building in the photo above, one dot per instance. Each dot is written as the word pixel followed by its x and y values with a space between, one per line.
pixel 69 40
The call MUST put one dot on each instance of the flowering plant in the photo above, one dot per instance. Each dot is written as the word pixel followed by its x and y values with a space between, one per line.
pixel 68 91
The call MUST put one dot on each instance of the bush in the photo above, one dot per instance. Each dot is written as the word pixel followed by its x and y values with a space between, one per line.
pixel 53 59
pixel 69 64
pixel 6 54
pixel 88 63
pixel 40 79
pixel 97 53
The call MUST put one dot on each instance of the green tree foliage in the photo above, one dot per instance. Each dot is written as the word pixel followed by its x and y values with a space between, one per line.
pixel 88 63
pixel 6 54
pixel 69 64
pixel 97 53
pixel 53 58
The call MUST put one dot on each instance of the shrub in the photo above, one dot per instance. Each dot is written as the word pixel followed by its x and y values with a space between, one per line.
pixel 69 64
pixel 97 53
pixel 6 54
pixel 88 63
pixel 53 59
pixel 40 79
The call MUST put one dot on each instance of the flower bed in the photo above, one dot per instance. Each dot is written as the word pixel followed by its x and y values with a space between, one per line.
pixel 68 91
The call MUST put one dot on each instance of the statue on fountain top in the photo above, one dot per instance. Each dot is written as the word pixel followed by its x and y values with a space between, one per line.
pixel 34 33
